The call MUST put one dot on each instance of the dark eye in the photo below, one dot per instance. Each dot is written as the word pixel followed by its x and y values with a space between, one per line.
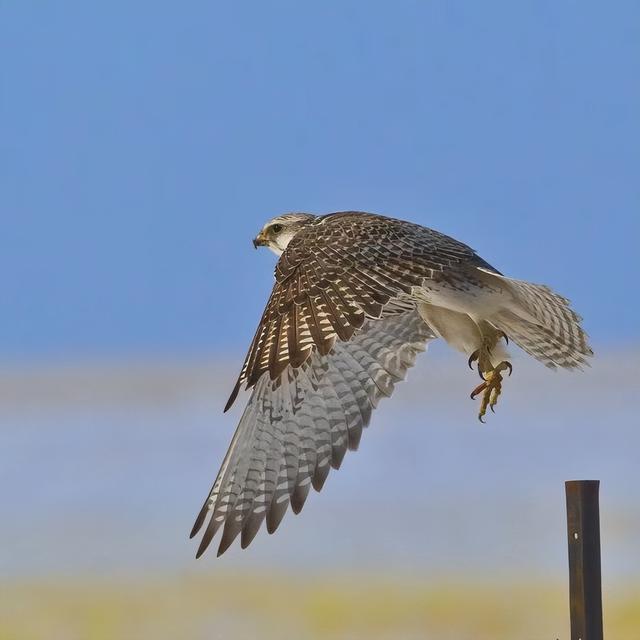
pixel 276 228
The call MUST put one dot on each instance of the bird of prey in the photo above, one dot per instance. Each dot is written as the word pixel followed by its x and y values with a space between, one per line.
pixel 356 297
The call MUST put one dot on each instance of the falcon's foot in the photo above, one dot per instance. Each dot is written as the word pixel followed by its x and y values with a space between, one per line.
pixel 491 387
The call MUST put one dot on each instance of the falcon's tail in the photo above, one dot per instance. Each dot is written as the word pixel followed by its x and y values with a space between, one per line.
pixel 543 324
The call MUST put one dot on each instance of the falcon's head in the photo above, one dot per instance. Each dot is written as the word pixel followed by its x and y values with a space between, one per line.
pixel 279 231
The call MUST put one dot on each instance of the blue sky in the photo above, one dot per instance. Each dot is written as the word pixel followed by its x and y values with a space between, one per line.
pixel 143 145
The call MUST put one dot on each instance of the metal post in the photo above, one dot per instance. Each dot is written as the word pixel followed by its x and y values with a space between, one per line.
pixel 583 530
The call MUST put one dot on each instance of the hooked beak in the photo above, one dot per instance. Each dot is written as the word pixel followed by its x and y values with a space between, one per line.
pixel 259 241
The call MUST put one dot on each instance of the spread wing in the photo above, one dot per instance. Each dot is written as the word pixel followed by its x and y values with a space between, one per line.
pixel 335 273
pixel 296 428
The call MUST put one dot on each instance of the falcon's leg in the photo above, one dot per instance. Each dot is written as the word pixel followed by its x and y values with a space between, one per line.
pixel 491 388
pixel 472 336
pixel 491 374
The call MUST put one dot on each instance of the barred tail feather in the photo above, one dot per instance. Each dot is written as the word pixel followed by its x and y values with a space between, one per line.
pixel 543 324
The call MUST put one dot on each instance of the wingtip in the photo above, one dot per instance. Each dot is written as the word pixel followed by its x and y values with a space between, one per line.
pixel 197 525
pixel 200 551
pixel 232 397
pixel 224 545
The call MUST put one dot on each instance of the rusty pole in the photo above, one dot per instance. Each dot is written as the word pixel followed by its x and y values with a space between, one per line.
pixel 583 531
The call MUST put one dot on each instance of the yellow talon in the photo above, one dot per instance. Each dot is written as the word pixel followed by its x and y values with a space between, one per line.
pixel 491 388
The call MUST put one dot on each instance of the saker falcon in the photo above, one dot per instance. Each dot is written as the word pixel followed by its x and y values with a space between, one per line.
pixel 357 296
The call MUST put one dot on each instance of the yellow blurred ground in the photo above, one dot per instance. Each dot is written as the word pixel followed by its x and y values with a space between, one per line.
pixel 260 606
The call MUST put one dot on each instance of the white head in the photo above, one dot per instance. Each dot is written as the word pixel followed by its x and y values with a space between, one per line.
pixel 279 231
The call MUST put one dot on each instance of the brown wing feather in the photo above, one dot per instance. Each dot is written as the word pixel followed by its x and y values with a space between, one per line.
pixel 337 271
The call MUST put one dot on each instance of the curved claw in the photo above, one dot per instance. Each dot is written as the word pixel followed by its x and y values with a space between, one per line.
pixel 481 420
pixel 505 336
pixel 472 358
pixel 479 389
pixel 492 409
pixel 509 366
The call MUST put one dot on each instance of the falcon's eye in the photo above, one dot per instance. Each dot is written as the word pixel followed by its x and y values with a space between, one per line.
pixel 276 228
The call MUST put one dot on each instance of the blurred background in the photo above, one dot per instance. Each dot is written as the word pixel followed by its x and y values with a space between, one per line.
pixel 143 145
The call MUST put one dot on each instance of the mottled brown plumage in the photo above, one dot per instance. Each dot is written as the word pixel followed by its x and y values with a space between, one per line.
pixel 338 270
pixel 357 296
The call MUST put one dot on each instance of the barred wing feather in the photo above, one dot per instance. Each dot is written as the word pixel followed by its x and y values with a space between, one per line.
pixel 297 427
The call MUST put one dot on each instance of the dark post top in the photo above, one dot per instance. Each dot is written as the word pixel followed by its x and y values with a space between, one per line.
pixel 583 531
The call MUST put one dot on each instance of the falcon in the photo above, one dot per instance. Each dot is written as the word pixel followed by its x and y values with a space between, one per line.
pixel 357 297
